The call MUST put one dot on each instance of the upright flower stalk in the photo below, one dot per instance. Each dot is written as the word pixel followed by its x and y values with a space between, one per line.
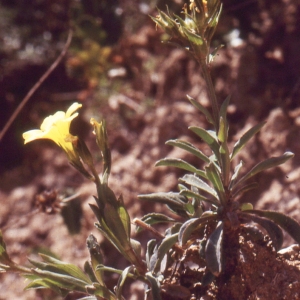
pixel 194 32
pixel 113 219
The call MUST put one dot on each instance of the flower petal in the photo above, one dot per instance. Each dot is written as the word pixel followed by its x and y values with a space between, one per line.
pixel 75 106
pixel 32 135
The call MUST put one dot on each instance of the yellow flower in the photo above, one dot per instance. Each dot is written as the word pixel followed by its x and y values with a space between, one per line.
pixel 57 128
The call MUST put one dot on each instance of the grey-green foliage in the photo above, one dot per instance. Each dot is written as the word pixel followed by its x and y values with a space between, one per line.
pixel 206 203
pixel 210 195
pixel 207 185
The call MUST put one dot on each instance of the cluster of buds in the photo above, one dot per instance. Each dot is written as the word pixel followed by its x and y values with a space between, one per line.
pixel 195 30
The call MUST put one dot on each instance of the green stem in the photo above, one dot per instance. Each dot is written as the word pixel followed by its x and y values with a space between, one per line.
pixel 130 275
pixel 211 93
pixel 17 268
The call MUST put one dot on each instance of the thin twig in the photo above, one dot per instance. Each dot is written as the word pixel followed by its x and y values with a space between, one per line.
pixel 146 226
pixel 37 85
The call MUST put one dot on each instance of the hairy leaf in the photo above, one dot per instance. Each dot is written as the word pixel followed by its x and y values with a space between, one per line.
pixel 181 164
pixel 203 110
pixel 189 148
pixel 266 164
pixel 101 291
pixel 225 163
pixel 124 216
pixel 287 223
pixel 200 184
pixel 39 283
pixel 191 225
pixel 245 138
pixel 213 250
pixel 235 174
pixel 172 199
pixel 223 130
pixel 64 268
pixel 215 178
pixel 121 281
pixel 245 188
pixel 155 286
pixel 166 244
pixel 273 230
pixel 90 272
pixel 209 138
pixel 149 252
pixel 196 195
pixel 61 281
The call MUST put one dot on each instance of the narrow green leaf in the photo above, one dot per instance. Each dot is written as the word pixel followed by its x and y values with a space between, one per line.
pixel 155 218
pixel 189 148
pixel 215 10
pixel 191 194
pixel 172 199
pixel 155 286
pixel 149 252
pixel 209 138
pixel 287 223
pixel 124 216
pixel 193 37
pixel 273 230
pixel 101 291
pixel 65 268
pixel 213 250
pixel 189 208
pixel 89 271
pixel 112 239
pixel 114 223
pixel 214 177
pixel 213 54
pixel 121 281
pixel 38 264
pixel 222 134
pixel 166 244
pixel 225 162
pixel 235 174
pixel 96 257
pixel 200 184
pixel 40 283
pixel 189 21
pixel 202 109
pixel 245 188
pixel 62 280
pixel 169 23
pixel 181 164
pixel 245 138
pixel 191 225
pixel 224 107
pixel 195 195
pixel 223 114
pixel 266 164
